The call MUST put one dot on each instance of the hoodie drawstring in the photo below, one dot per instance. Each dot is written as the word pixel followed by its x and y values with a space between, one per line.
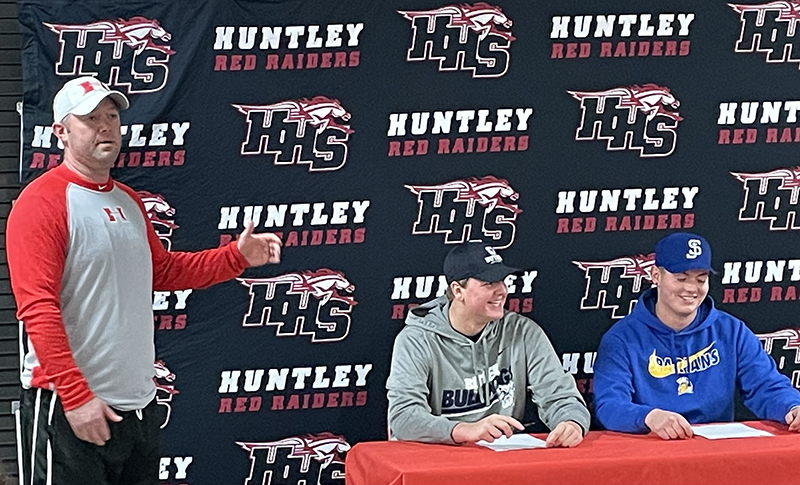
pixel 486 370
pixel 673 352
pixel 475 371
pixel 483 388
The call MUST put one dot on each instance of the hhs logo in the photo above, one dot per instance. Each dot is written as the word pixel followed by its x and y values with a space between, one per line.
pixel 462 37
pixel 630 118
pixel 615 284
pixel 468 210
pixel 155 207
pixel 784 347
pixel 122 53
pixel 286 302
pixel 770 28
pixel 301 131
pixel 311 459
pixel 164 389
pixel 771 196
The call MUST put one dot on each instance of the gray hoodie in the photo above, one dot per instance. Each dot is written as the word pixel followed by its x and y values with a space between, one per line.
pixel 440 377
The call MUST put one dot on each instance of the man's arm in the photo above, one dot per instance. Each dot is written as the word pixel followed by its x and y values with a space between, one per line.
pixel 553 390
pixel 765 391
pixel 36 246
pixel 180 270
pixel 410 417
pixel 613 389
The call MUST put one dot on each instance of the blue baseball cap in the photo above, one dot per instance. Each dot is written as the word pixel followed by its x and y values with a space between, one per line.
pixel 683 251
pixel 476 260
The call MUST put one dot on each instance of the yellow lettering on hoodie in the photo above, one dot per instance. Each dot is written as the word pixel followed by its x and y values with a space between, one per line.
pixel 658 367
pixel 701 360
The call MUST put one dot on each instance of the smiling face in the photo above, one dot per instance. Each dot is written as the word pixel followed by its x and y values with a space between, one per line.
pixel 482 302
pixel 91 142
pixel 679 295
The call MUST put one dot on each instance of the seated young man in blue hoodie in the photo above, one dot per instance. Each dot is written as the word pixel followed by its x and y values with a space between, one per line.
pixel 462 364
pixel 676 359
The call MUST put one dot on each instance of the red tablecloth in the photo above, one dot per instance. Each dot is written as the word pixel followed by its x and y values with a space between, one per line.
pixel 602 457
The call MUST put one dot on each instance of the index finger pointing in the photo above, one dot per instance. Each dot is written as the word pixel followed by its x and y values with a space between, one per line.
pixel 505 428
pixel 512 421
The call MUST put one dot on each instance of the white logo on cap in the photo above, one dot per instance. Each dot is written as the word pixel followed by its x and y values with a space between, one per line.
pixel 493 256
pixel 695 249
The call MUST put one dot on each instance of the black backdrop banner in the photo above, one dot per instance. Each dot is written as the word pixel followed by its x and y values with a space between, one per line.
pixel 374 135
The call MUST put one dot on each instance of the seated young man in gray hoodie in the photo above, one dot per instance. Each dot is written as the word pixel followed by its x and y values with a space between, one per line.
pixel 462 364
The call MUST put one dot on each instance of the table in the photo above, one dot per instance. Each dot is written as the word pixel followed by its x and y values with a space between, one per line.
pixel 602 457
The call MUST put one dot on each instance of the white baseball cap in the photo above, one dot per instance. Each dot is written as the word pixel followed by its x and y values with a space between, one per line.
pixel 80 96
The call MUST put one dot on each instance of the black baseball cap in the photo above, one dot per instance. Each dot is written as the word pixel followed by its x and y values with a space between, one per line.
pixel 476 260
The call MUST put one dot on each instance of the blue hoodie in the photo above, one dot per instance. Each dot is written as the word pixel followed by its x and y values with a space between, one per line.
pixel 635 370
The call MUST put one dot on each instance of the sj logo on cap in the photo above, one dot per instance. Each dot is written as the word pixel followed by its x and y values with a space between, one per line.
pixel 695 249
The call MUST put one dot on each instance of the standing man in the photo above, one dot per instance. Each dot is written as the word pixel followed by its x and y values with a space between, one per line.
pixel 677 360
pixel 462 365
pixel 84 261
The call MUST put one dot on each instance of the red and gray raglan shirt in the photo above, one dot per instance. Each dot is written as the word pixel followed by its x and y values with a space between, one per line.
pixel 84 261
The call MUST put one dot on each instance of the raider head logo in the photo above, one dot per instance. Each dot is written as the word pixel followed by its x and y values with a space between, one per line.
pixel 616 283
pixel 285 302
pixel 482 18
pixel 770 28
pixel 155 207
pixel 164 389
pixel 630 118
pixel 322 284
pixel 771 196
pixel 473 209
pixel 488 191
pixel 137 33
pixel 311 131
pixel 129 53
pixel 651 99
pixel 462 37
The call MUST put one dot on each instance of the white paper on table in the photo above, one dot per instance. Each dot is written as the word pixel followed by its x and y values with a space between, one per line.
pixel 727 430
pixel 520 441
